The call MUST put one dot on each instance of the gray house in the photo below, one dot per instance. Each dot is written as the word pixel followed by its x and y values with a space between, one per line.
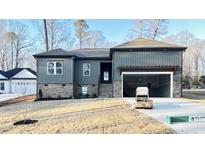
pixel 111 72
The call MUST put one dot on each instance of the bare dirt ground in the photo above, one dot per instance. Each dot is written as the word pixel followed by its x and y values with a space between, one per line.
pixel 28 98
pixel 112 116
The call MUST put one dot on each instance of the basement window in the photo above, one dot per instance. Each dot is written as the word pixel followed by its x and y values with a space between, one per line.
pixel 84 90
pixel 2 86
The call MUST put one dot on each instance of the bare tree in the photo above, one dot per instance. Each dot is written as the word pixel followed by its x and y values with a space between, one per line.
pixel 19 39
pixel 95 39
pixel 81 33
pixel 46 34
pixel 197 48
pixel 149 28
pixel 3 46
pixel 58 34
pixel 184 38
pixel 193 57
pixel 156 28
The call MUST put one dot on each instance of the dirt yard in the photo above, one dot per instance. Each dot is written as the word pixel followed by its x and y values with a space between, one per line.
pixel 110 116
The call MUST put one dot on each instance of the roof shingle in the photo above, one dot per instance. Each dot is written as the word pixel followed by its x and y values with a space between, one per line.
pixel 9 74
pixel 147 43
pixel 56 52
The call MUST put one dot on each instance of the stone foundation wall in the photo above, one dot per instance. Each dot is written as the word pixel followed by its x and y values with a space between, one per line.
pixel 105 90
pixel 56 90
pixel 177 84
pixel 117 89
pixel 92 90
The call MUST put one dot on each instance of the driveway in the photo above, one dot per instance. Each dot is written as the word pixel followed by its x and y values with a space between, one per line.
pixel 194 94
pixel 166 107
pixel 4 97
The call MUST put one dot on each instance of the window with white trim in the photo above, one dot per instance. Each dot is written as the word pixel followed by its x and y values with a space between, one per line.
pixel 55 68
pixel 2 86
pixel 86 69
pixel 84 90
pixel 106 76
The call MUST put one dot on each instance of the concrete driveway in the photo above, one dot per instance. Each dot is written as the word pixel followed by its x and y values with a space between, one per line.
pixel 166 107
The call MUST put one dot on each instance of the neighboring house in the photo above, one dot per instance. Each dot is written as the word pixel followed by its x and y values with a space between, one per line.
pixel 114 72
pixel 18 81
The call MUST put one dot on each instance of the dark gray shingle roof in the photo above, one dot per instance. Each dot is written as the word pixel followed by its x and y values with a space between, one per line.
pixel 91 52
pixel 56 52
pixel 95 53
pixel 3 73
pixel 9 74
pixel 79 53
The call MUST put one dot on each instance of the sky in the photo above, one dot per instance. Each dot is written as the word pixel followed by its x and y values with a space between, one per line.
pixel 115 30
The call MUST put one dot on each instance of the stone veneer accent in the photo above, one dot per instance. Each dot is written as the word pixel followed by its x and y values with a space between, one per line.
pixel 105 90
pixel 92 90
pixel 117 89
pixel 176 89
pixel 56 90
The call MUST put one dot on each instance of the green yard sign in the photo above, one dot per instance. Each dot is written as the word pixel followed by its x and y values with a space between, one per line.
pixel 179 119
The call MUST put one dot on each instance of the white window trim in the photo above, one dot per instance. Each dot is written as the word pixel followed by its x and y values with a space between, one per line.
pixel 170 73
pixel 87 69
pixel 54 61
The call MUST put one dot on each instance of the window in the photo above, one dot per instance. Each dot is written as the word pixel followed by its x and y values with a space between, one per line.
pixel 86 69
pixel 84 90
pixel 55 68
pixel 106 76
pixel 2 86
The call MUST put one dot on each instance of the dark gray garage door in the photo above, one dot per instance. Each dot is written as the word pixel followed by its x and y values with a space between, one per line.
pixel 158 84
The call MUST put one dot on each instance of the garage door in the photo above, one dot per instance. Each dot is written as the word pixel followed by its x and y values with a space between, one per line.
pixel 159 84
pixel 24 88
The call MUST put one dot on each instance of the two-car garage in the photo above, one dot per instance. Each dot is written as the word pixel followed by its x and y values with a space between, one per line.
pixel 160 84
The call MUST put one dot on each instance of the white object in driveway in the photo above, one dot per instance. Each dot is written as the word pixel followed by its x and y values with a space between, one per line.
pixel 142 91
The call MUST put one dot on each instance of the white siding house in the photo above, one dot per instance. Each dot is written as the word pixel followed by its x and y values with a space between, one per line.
pixel 18 81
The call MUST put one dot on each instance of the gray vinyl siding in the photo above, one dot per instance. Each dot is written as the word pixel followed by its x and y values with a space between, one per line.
pixel 143 59
pixel 43 77
pixel 79 79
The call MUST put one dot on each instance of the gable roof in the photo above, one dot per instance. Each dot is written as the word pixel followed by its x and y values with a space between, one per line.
pixel 13 72
pixel 3 74
pixel 54 53
pixel 144 43
pixel 91 53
